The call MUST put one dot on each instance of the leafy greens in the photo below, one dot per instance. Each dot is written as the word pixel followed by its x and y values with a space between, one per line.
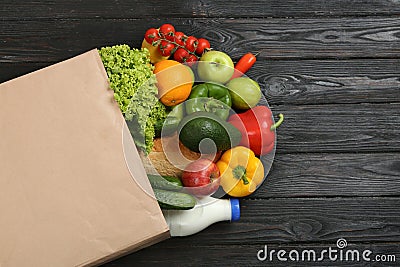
pixel 131 78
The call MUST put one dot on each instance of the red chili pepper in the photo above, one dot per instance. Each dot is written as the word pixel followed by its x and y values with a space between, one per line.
pixel 257 128
pixel 243 65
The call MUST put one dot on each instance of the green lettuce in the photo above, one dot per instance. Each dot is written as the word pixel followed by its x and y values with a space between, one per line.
pixel 131 78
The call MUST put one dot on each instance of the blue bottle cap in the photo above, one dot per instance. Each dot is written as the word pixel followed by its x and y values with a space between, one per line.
pixel 235 209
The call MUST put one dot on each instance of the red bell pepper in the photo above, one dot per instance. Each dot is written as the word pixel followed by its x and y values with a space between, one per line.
pixel 257 128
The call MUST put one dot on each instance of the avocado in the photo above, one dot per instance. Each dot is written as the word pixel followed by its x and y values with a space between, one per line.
pixel 205 126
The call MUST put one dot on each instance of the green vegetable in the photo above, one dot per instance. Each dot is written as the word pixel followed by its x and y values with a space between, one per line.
pixel 174 180
pixel 198 129
pixel 174 200
pixel 165 182
pixel 158 113
pixel 168 125
pixel 210 97
pixel 245 92
pixel 134 84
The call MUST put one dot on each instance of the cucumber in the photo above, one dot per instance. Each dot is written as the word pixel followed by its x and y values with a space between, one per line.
pixel 174 180
pixel 174 200
pixel 165 182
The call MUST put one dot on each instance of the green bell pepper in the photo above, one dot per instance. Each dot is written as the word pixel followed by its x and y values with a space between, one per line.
pixel 210 97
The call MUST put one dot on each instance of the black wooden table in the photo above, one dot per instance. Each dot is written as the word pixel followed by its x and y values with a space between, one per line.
pixel 333 69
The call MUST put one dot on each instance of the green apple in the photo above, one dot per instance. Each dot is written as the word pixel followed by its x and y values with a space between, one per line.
pixel 191 73
pixel 215 66
pixel 245 92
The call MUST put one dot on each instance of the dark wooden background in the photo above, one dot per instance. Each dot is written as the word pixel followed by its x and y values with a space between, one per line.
pixel 333 69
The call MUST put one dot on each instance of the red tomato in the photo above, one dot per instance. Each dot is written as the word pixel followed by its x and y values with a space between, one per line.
pixel 151 35
pixel 180 38
pixel 202 44
pixel 191 43
pixel 181 54
pixel 166 48
pixel 191 59
pixel 168 31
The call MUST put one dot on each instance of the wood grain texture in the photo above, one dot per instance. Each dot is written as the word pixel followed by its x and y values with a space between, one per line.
pixel 288 220
pixel 339 128
pixel 328 81
pixel 293 82
pixel 246 255
pixel 55 40
pixel 332 175
pixel 10 71
pixel 206 8
pixel 285 223
pixel 306 38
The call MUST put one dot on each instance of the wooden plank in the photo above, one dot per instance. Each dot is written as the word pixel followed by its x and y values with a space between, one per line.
pixel 207 8
pixel 246 255
pixel 339 128
pixel 332 175
pixel 328 81
pixel 306 38
pixel 304 82
pixel 296 220
pixel 54 40
pixel 10 71
pixel 365 223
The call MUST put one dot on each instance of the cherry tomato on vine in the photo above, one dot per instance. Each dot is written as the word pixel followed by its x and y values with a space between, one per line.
pixel 166 48
pixel 202 44
pixel 151 35
pixel 191 59
pixel 191 43
pixel 181 54
pixel 180 38
pixel 167 31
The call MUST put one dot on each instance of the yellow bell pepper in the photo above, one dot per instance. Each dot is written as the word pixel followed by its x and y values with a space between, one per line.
pixel 241 171
pixel 155 54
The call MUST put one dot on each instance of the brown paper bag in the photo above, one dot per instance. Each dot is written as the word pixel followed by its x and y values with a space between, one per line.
pixel 73 190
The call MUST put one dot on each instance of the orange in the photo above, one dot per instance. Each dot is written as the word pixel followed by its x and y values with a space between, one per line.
pixel 174 82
